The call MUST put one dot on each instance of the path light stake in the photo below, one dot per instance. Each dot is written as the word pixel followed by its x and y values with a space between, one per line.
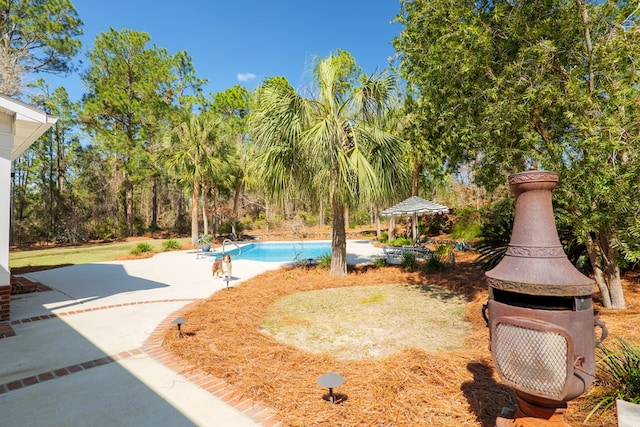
pixel 542 336
pixel 330 381
pixel 179 321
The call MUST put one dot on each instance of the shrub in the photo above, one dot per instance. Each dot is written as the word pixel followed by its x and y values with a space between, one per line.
pixel 204 239
pixel 359 218
pixel 325 260
pixel 435 224
pixel 495 234
pixel 246 223
pixel 434 263
pixel 308 218
pixel 443 256
pixel 141 248
pixel 379 263
pixel 618 375
pixel 467 223
pixel 170 244
pixel 465 231
pixel 401 241
pixel 409 260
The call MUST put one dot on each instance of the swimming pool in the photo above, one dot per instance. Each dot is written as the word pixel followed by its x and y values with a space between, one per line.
pixel 276 252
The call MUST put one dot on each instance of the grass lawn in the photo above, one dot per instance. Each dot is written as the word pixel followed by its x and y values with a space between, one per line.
pixel 49 257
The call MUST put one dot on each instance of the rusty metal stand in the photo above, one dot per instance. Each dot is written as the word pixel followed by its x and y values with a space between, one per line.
pixel 529 414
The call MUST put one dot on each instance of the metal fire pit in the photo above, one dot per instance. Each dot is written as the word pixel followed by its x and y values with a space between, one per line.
pixel 541 319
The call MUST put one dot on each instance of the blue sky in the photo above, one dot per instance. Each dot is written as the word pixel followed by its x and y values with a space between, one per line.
pixel 244 42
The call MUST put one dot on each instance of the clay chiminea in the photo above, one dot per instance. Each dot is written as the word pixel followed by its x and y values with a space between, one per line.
pixel 542 335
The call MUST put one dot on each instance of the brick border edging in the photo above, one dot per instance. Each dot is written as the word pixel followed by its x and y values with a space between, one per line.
pixel 153 346
pixel 61 372
pixel 5 302
pixel 6 329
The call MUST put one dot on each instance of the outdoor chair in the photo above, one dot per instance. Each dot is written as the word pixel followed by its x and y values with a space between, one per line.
pixel 420 251
pixel 392 254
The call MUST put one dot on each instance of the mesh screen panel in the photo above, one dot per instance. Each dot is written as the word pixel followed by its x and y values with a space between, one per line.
pixel 534 360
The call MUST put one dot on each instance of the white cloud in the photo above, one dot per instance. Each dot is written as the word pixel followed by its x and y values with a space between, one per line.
pixel 245 77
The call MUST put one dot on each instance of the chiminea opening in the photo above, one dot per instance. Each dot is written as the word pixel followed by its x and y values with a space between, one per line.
pixel 541 302
pixel 542 336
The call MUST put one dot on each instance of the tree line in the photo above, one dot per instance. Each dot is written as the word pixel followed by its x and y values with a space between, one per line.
pixel 494 87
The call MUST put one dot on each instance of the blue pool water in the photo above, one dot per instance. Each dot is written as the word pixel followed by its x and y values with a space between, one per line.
pixel 277 252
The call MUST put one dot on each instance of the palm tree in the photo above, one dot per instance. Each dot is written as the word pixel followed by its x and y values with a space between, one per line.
pixel 334 144
pixel 193 153
pixel 233 106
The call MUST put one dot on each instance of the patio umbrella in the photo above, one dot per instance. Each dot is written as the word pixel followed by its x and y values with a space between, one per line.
pixel 413 206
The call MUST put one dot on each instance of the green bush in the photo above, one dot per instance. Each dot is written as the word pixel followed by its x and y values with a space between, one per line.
pixel 401 241
pixel 434 263
pixel 465 231
pixel 435 224
pixel 441 258
pixel 246 223
pixel 618 375
pixel 308 218
pixel 496 233
pixel 359 218
pixel 167 245
pixel 141 248
pixel 379 263
pixel 409 260
pixel 467 223
pixel 224 229
pixel 325 260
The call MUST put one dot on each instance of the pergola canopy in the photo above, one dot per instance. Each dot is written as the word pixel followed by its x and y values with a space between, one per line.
pixel 415 205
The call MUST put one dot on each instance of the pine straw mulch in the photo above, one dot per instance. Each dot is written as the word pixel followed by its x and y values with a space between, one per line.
pixel 413 387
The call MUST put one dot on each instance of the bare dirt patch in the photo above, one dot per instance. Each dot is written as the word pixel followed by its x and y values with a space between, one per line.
pixel 370 322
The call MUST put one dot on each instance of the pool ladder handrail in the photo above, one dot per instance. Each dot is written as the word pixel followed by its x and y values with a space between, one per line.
pixel 233 243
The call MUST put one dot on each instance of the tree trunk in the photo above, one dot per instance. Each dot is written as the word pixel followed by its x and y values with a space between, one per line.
pixel 415 179
pixel 179 212
pixel 606 272
pixel 236 200
pixel 392 227
pixel 129 196
pixel 213 212
pixel 205 215
pixel 615 286
pixel 338 240
pixel 154 204
pixel 194 213
pixel 612 270
pixel 267 213
pixel 587 40
pixel 598 274
pixel 346 217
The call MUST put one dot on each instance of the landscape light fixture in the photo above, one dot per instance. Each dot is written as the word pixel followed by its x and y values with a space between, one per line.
pixel 330 381
pixel 541 322
pixel 179 321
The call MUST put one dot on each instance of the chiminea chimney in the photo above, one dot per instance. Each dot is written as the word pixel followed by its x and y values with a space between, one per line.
pixel 541 319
